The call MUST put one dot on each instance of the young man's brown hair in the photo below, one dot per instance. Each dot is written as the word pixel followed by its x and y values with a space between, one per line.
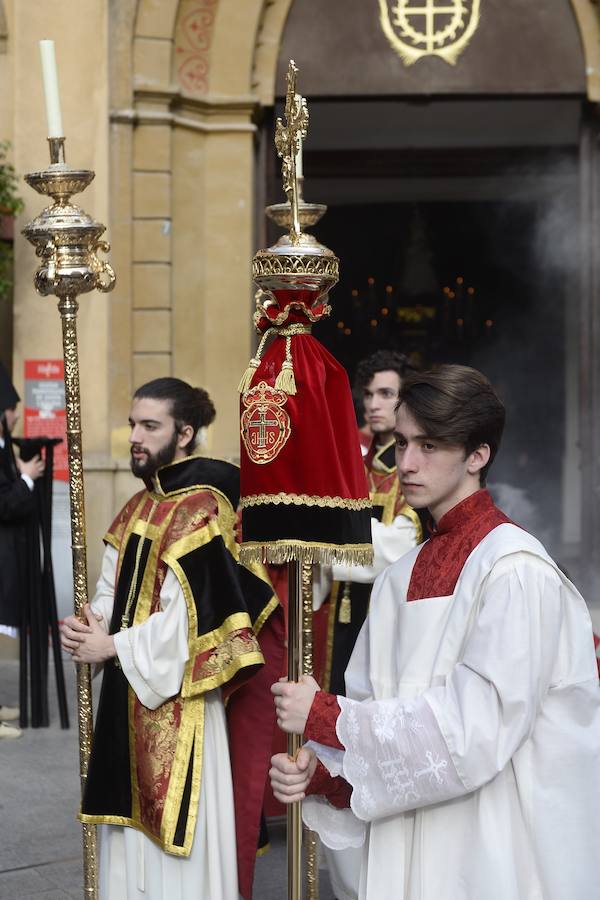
pixel 456 405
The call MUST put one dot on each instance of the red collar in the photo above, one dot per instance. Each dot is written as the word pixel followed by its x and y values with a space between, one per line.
pixel 463 514
pixel 459 531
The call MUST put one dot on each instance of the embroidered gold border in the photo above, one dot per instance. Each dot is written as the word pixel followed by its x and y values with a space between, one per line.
pixel 142 612
pixel 388 502
pixel 146 530
pixel 131 823
pixel 190 735
pixel 412 514
pixel 110 539
pixel 127 533
pixel 235 622
pixel 305 500
pixel 377 458
pixel 264 615
pixel 244 661
pixel 180 548
pixel 226 528
pixel 283 551
pixel 193 541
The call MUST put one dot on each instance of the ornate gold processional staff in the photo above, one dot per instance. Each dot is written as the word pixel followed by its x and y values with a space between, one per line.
pixel 304 493
pixel 67 241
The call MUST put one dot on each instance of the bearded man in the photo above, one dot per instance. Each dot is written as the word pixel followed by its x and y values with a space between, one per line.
pixel 179 626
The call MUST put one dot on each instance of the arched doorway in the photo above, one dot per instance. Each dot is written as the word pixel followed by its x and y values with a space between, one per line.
pixel 460 177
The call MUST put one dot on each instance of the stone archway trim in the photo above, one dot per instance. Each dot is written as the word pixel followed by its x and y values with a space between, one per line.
pixel 587 15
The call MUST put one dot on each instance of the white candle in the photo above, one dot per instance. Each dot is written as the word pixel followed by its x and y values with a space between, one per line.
pixel 55 128
pixel 299 173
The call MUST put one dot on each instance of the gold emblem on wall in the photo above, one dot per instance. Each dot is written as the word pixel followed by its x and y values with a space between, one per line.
pixel 417 28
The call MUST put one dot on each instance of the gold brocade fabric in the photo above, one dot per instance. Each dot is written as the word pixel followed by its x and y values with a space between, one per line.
pixel 192 532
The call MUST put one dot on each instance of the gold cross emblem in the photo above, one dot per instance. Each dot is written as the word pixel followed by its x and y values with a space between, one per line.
pixel 417 28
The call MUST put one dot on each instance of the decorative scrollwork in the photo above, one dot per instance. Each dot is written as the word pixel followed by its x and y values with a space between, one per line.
pixel 266 264
pixel 105 275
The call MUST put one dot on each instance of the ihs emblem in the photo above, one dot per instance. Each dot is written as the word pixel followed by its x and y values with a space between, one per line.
pixel 417 28
pixel 265 424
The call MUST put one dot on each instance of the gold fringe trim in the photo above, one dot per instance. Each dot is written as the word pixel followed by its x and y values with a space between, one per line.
pixel 279 552
pixel 305 500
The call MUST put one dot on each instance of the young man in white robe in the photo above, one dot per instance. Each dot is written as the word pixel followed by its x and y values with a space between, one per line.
pixel 175 622
pixel 465 759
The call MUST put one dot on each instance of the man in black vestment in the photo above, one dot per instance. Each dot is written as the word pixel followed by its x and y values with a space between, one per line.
pixel 17 506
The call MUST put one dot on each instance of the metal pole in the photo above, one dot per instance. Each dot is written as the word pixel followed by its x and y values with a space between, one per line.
pixel 294 741
pixel 311 840
pixel 68 307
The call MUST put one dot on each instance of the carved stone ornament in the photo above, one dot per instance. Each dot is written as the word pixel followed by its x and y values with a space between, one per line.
pixel 417 28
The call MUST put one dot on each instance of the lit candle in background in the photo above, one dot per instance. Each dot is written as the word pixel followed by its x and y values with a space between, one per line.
pixel 55 128
pixel 299 172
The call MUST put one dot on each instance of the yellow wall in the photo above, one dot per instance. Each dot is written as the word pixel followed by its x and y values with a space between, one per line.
pixel 163 114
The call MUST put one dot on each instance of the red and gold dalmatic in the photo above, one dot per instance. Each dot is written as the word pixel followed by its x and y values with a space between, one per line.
pixel 146 765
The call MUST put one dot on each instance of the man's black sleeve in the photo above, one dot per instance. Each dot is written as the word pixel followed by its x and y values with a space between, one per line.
pixel 17 502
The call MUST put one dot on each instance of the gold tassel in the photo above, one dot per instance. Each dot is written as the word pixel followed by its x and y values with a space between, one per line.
pixel 345 612
pixel 286 381
pixel 248 375
pixel 253 365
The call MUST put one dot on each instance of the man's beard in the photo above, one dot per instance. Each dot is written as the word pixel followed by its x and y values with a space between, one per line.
pixel 145 468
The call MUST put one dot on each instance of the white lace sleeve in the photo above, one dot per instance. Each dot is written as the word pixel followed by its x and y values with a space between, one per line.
pixel 459 735
pixel 337 828
pixel 396 757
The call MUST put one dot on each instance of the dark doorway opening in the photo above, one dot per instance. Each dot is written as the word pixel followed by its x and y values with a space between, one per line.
pixel 473 284
pixel 457 228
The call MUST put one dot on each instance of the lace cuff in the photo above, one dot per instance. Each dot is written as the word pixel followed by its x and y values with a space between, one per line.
pixel 322 719
pixel 337 828
pixel 336 791
pixel 396 757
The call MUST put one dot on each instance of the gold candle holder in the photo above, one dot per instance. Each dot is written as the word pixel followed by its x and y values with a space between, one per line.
pixel 67 241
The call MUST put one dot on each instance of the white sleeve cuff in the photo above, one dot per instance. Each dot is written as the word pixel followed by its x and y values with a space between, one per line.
pixel 28 481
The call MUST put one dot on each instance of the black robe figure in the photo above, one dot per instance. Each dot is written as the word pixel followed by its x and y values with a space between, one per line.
pixel 27 597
